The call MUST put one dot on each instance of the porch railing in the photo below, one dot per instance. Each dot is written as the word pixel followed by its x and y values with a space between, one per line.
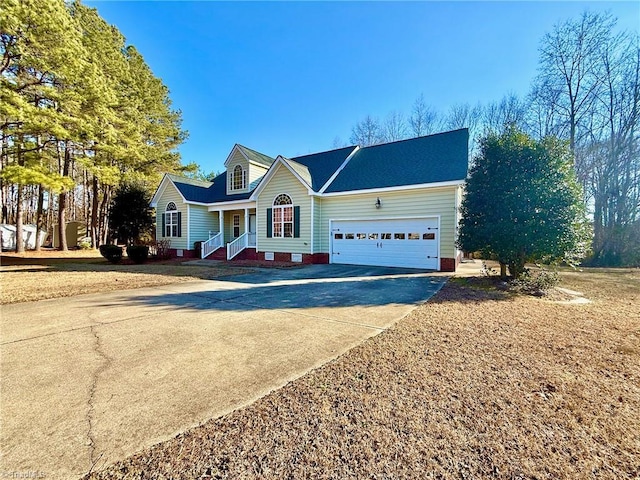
pixel 211 245
pixel 235 247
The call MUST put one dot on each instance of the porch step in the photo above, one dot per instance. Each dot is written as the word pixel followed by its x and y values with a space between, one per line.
pixel 248 253
pixel 219 254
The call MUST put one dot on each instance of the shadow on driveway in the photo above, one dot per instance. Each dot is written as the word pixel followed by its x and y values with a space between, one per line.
pixel 247 293
pixel 322 272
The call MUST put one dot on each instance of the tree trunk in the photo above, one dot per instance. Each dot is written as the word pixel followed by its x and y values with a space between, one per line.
pixel 62 204
pixel 19 210
pixel 503 271
pixel 94 228
pixel 50 212
pixel 62 221
pixel 40 220
pixel 516 267
pixel 104 214
pixel 598 234
pixel 19 206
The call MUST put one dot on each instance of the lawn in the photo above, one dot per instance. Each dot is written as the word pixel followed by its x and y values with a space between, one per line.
pixel 476 383
pixel 52 274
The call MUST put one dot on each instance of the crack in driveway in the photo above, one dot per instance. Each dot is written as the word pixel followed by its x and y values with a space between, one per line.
pixel 91 421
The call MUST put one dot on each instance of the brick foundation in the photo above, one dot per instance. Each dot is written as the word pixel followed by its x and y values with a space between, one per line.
pixel 246 254
pixel 315 258
pixel 448 264
pixel 173 252
pixel 307 258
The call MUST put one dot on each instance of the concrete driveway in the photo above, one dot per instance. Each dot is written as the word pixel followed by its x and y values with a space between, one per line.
pixel 85 381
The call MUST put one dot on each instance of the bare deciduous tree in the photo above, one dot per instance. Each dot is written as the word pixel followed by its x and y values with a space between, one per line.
pixel 463 115
pixel 394 127
pixel 569 63
pixel 367 132
pixel 510 110
pixel 588 91
pixel 615 180
pixel 424 119
pixel 338 143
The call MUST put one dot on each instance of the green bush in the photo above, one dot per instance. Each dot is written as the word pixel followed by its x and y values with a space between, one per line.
pixel 85 243
pixel 113 253
pixel 538 283
pixel 138 253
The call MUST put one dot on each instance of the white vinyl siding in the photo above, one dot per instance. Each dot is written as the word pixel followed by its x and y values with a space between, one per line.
pixel 283 181
pixel 317 225
pixel 170 194
pixel 256 172
pixel 459 195
pixel 201 222
pixel 415 203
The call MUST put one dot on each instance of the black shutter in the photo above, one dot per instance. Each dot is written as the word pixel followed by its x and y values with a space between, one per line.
pixel 269 222
pixel 296 222
pixel 179 224
pixel 164 229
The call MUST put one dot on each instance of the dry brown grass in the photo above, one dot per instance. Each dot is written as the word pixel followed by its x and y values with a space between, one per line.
pixel 52 274
pixel 474 384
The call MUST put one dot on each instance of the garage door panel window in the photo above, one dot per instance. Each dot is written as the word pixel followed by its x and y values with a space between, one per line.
pixel 385 236
pixel 414 236
pixel 428 236
pixel 399 236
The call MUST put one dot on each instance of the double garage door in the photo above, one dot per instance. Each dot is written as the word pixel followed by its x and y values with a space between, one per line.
pixel 391 243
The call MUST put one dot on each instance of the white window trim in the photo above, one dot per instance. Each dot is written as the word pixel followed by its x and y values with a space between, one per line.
pixel 232 179
pixel 281 222
pixel 170 222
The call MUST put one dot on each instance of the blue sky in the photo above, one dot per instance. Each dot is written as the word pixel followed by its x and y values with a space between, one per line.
pixel 288 77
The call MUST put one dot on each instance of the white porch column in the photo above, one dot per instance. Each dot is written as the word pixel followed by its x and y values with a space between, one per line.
pixel 221 223
pixel 246 220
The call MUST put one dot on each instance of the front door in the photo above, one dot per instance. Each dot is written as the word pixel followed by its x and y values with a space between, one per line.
pixel 236 226
pixel 252 230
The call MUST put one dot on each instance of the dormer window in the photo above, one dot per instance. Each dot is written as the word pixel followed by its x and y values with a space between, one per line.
pixel 238 178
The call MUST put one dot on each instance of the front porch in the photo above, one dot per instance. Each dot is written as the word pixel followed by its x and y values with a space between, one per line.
pixel 235 233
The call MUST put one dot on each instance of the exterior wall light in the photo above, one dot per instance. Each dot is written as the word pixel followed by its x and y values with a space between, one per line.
pixel 378 203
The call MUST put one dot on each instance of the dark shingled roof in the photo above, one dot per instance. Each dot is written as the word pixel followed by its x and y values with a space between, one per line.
pixel 435 158
pixel 215 192
pixel 257 157
pixel 322 165
pixel 431 159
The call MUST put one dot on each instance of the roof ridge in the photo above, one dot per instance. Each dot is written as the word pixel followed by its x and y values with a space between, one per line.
pixel 255 151
pixel 291 160
pixel 417 138
pixel 326 151
pixel 189 181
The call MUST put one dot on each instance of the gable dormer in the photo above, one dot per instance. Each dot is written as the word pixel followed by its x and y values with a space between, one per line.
pixel 245 167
